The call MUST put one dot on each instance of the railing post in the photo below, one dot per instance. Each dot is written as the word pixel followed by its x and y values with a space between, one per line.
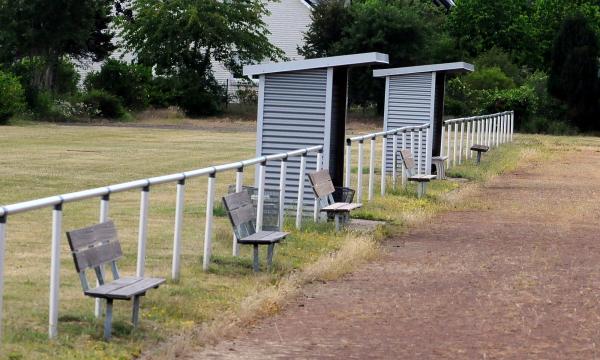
pixel 239 186
pixel 143 231
pixel 403 148
pixel 316 204
pixel 420 153
pixel 383 164
pixel 455 131
pixel 467 139
pixel 300 204
pixel 371 169
pixel 487 131
pixel 178 230
pixel 55 271
pixel 2 256
pixel 448 130
pixel 412 144
pixel 503 129
pixel 359 174
pixel 210 198
pixel 394 160
pixel 104 205
pixel 442 139
pixel 497 130
pixel 282 176
pixel 512 125
pixel 348 163
pixel 460 148
pixel 474 129
pixel 260 206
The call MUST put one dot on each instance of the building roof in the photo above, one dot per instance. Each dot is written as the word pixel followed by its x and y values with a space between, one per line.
pixel 455 67
pixel 371 58
pixel 447 3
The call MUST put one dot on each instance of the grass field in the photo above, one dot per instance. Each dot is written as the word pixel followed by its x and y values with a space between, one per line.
pixel 44 160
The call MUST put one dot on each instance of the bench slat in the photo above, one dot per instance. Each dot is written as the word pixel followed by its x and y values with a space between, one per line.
pixel 88 236
pixel 341 207
pixel 407 158
pixel 97 255
pixel 422 178
pixel 321 183
pixel 136 288
pixel 263 237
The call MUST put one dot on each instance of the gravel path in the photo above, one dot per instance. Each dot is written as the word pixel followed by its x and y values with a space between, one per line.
pixel 518 279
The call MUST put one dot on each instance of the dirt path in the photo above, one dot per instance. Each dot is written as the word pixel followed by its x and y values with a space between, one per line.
pixel 519 279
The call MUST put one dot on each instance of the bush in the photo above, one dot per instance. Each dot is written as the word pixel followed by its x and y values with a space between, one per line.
pixel 103 104
pixel 522 100
pixel 496 57
pixel 12 96
pixel 162 92
pixel 199 96
pixel 130 82
pixel 492 78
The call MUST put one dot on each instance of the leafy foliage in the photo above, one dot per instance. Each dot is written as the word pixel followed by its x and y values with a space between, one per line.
pixel 574 72
pixel 180 38
pixel 103 104
pixel 130 82
pixel 52 30
pixel 489 78
pixel 12 96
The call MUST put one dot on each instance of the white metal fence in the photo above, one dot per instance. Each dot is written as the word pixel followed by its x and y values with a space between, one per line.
pixel 458 135
pixel 103 194
pixel 410 137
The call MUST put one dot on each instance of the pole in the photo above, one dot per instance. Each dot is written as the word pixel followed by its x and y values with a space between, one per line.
pixel 142 231
pixel 55 271
pixel 300 203
pixel 383 164
pixel 179 209
pixel 210 195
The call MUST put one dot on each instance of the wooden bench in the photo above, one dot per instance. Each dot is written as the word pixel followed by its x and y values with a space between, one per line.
pixel 440 166
pixel 324 189
pixel 93 247
pixel 411 170
pixel 480 149
pixel 243 218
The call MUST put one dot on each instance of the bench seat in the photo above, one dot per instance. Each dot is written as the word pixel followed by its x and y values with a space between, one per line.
pixel 341 207
pixel 125 288
pixel 264 237
pixel 480 148
pixel 421 178
pixel 441 158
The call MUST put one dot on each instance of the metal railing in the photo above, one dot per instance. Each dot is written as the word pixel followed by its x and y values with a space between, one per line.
pixel 103 193
pixel 410 133
pixel 458 135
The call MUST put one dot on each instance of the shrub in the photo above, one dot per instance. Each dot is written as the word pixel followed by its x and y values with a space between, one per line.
pixel 12 96
pixel 162 92
pixel 522 100
pixel 103 104
pixel 496 57
pixel 199 95
pixel 247 93
pixel 130 82
pixel 492 78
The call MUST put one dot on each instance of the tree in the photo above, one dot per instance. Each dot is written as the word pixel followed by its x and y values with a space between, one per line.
pixel 51 30
pixel 180 38
pixel 480 25
pixel 329 17
pixel 394 27
pixel 574 71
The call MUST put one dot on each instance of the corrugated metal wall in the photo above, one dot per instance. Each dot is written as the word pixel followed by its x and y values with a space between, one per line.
pixel 293 117
pixel 409 103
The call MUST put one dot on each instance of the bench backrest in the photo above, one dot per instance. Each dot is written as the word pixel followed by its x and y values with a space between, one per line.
pixel 408 161
pixel 241 213
pixel 94 246
pixel 321 183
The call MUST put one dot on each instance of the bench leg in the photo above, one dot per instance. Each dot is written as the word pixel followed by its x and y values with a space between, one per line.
pixel 256 266
pixel 135 314
pixel 270 250
pixel 421 189
pixel 478 157
pixel 337 222
pixel 108 319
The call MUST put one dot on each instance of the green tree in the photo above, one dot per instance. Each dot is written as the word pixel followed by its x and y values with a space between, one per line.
pixel 395 27
pixel 480 25
pixel 180 38
pixel 329 17
pixel 574 71
pixel 50 30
